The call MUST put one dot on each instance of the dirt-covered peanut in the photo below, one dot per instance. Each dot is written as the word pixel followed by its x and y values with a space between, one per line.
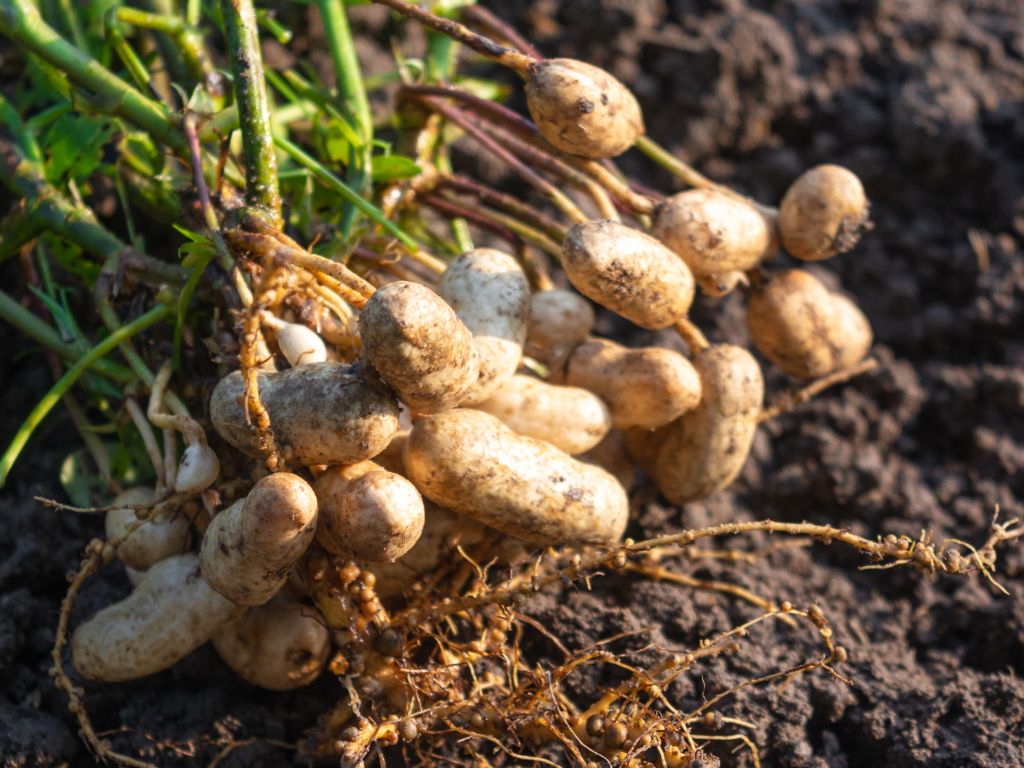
pixel 611 456
pixel 581 109
pixel 279 646
pixel 704 450
pixel 491 296
pixel 198 468
pixel 628 272
pixel 644 387
pixel 172 611
pixel 805 329
pixel 443 530
pixel 789 318
pixel 469 462
pixel 569 418
pixel 558 319
pixel 367 513
pixel 321 413
pixel 823 213
pixel 249 548
pixel 151 542
pixel 714 232
pixel 420 347
pixel 851 332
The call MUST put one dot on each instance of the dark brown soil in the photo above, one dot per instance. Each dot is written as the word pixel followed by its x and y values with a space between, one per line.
pixel 924 100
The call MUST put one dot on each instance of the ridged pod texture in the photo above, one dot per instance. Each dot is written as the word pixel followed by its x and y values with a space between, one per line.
pixel 278 646
pixel 645 387
pixel 714 232
pixel 628 272
pixel 558 318
pixel 151 542
pixel 823 213
pixel 491 296
pixel 572 419
pixel 703 451
pixel 367 513
pixel 249 548
pixel 581 109
pixel 321 413
pixel 471 463
pixel 421 349
pixel 172 612
pixel 805 329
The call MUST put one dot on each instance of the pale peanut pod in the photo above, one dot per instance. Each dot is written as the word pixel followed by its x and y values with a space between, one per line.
pixel 419 346
pixel 491 296
pixel 644 387
pixel 714 232
pixel 612 456
pixel 172 612
pixel 151 542
pixel 628 272
pixel 249 548
pixel 704 450
pixel 823 213
pixel 366 513
pixel 443 530
pixel 851 332
pixel 803 328
pixel 557 319
pixel 321 413
pixel 469 462
pixel 569 418
pixel 581 109
pixel 278 646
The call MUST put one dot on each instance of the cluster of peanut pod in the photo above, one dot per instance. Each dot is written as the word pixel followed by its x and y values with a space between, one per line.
pixel 442 427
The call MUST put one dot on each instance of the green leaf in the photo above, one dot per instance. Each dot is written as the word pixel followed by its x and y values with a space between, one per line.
pixel 392 167
pixel 191 236
pixel 197 254
pixel 72 258
pixel 73 146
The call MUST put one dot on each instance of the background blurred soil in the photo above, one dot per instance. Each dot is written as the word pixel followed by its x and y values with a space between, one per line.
pixel 924 100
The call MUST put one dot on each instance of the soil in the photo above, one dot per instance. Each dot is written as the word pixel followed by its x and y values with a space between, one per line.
pixel 924 100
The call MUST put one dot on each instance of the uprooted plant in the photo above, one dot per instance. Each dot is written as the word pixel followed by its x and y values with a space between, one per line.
pixel 409 435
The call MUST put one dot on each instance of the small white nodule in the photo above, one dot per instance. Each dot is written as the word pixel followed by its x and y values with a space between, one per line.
pixel 197 470
pixel 298 344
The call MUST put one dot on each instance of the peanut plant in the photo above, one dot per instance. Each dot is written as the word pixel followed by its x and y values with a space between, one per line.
pixel 405 436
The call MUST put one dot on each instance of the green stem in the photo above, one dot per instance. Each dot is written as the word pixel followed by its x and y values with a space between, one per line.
pixel 136 69
pixel 16 229
pixel 37 330
pixel 261 188
pixel 20 20
pixel 79 225
pixel 326 177
pixel 74 373
pixel 355 103
pixel 54 212
pixel 186 41
pixel 346 65
pixel 672 164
